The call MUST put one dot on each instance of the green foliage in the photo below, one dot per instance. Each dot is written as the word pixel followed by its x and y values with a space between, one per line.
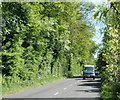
pixel 0 85
pixel 109 57
pixel 14 85
pixel 43 40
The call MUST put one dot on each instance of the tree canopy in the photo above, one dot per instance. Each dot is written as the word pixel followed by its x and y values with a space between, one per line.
pixel 109 57
pixel 51 38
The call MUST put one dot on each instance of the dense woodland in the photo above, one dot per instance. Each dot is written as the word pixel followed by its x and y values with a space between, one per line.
pixel 43 40
pixel 108 61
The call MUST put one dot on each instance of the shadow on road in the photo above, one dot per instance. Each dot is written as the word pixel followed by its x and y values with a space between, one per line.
pixel 76 77
pixel 91 86
pixel 81 77
pixel 91 80
pixel 89 91
pixel 94 85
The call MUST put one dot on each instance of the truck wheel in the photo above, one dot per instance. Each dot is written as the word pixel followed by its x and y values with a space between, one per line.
pixel 84 78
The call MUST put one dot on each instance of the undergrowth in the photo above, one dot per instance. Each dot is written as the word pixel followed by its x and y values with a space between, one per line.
pixel 12 85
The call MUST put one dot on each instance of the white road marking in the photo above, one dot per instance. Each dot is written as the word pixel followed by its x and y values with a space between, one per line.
pixel 56 93
pixel 65 88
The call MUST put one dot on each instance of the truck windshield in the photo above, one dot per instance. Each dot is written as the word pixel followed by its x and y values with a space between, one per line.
pixel 89 68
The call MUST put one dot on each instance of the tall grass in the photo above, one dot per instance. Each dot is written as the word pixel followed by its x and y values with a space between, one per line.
pixel 12 85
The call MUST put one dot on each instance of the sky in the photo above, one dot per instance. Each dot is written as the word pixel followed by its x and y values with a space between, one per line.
pixel 98 24
pixel 97 1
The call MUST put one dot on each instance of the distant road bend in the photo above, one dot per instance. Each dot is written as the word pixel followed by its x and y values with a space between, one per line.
pixel 74 87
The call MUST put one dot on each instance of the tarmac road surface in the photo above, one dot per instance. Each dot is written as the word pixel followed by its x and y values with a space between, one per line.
pixel 74 87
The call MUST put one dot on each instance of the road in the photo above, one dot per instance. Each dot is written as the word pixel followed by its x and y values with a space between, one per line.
pixel 74 87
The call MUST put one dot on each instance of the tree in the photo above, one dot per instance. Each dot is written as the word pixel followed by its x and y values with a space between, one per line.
pixel 111 51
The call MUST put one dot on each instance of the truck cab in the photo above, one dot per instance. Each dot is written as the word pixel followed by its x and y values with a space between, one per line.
pixel 89 71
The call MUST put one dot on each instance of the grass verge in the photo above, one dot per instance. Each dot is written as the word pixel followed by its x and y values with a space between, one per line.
pixel 14 87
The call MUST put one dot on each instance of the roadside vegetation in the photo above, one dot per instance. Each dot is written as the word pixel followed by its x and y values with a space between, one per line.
pixel 108 61
pixel 43 42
